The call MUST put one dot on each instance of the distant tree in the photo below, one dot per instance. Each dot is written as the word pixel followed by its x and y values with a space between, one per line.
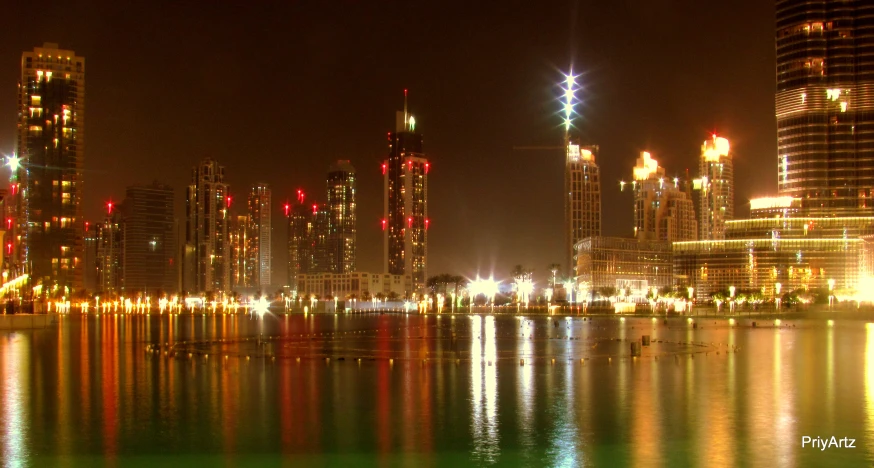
pixel 554 268
pixel 392 296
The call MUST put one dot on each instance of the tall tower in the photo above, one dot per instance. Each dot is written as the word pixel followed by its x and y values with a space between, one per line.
pixel 717 188
pixel 110 252
pixel 150 240
pixel 48 233
pixel 825 105
pixel 239 234
pixel 663 210
pixel 582 183
pixel 406 220
pixel 341 203
pixel 299 247
pixel 206 235
pixel 259 255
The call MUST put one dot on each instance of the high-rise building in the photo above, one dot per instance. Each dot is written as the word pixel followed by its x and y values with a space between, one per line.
pixel 662 210
pixel 582 184
pixel 239 232
pixel 405 206
pixel 825 105
pixel 206 234
pixel 716 183
pixel 299 244
pixel 89 258
pixel 341 203
pixel 321 258
pixel 258 263
pixel 150 240
pixel 110 252
pixel 47 170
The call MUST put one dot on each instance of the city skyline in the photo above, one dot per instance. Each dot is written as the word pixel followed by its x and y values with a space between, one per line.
pixel 475 224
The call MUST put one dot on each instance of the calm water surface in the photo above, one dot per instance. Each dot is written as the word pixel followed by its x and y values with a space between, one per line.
pixel 431 391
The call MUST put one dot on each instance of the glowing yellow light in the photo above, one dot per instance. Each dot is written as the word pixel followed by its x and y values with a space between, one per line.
pixel 764 203
pixel 646 166
pixel 14 162
pixel 714 148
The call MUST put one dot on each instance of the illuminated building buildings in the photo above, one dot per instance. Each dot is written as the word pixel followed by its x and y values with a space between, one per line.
pixel 630 266
pixel 239 234
pixel 258 263
pixel 354 285
pixel 716 183
pixel 341 204
pixel 582 183
pixel 825 105
pixel 299 246
pixel 774 207
pixel 321 259
pixel 759 254
pixel 149 240
pixel 89 257
pixel 48 213
pixel 207 242
pixel 110 252
pixel 405 224
pixel 662 211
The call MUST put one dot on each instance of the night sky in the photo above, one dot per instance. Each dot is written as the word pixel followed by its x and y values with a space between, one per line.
pixel 277 92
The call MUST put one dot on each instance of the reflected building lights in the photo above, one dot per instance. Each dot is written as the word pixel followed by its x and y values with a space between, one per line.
pixel 15 392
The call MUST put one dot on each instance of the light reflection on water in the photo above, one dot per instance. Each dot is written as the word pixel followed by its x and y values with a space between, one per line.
pixel 87 389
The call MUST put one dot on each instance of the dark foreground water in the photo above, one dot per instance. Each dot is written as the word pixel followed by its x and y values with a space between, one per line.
pixel 425 391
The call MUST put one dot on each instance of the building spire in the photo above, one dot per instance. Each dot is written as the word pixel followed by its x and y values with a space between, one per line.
pixel 406 114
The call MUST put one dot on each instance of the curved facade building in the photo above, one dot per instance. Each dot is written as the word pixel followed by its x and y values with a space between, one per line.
pixel 825 105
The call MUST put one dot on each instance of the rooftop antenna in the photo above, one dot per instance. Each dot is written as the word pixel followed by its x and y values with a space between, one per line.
pixel 406 115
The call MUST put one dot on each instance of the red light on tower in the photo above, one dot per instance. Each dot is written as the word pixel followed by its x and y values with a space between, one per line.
pixel 287 209
pixel 410 221
pixel 9 248
pixel 229 201
pixel 15 189
pixel 300 196
pixel 410 163
pixel 427 223
pixel 383 169
pixel 427 167
pixel 315 208
pixel 383 224
pixel 109 207
pixel 9 224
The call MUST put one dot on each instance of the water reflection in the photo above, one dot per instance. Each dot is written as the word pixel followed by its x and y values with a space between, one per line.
pixel 484 389
pixel 87 389
pixel 16 389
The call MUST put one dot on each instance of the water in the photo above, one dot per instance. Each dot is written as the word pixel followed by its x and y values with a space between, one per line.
pixel 431 391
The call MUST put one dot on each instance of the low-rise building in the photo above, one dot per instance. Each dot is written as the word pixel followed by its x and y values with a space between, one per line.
pixel 355 285
pixel 629 267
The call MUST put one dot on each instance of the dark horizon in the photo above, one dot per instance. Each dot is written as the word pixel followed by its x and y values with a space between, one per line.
pixel 278 93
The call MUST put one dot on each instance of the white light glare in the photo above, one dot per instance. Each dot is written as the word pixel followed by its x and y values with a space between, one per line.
pixel 14 162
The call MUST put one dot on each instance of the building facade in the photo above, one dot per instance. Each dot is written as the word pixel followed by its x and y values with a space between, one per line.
pixel 631 265
pixel 206 234
pixel 150 264
pixel 775 207
pixel 259 257
pixel 716 183
pixel 46 190
pixel 110 253
pixel 662 210
pixel 405 224
pixel 354 285
pixel 825 105
pixel 239 233
pixel 760 254
pixel 582 183
pixel 341 204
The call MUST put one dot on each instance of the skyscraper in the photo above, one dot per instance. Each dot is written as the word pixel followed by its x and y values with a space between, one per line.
pixel 716 183
pixel 206 233
pixel 406 220
pixel 582 183
pixel 239 233
pixel 825 105
pixel 299 244
pixel 110 252
pixel 662 210
pixel 259 258
pixel 150 240
pixel 341 204
pixel 48 226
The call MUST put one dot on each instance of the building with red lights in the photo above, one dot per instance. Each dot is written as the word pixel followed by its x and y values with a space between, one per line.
pixel 207 240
